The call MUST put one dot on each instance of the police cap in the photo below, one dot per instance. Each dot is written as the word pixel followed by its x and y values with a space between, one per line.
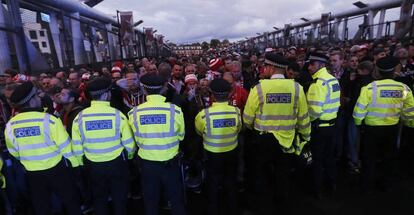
pixel 387 64
pixel 318 57
pixel 220 86
pixel 98 86
pixel 152 81
pixel 23 93
pixel 276 60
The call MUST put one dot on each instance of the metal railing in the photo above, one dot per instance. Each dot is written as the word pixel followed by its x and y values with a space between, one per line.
pixel 44 35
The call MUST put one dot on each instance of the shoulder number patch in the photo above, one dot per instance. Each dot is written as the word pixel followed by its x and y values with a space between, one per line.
pixel 27 132
pixel 336 87
pixel 274 98
pixel 98 125
pixel 153 119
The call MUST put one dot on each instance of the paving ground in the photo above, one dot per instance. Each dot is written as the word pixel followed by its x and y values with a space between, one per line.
pixel 348 200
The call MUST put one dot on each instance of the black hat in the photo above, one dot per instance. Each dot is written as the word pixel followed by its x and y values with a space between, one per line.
pixel 387 64
pixel 220 86
pixel 152 81
pixel 276 60
pixel 378 50
pixel 318 57
pixel 23 93
pixel 10 72
pixel 98 86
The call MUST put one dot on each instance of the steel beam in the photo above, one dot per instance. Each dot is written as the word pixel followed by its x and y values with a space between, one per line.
pixel 77 40
pixel 54 31
pixel 76 7
pixel 381 23
pixel 5 59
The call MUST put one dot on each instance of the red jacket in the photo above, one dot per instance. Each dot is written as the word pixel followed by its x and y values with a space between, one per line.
pixel 238 97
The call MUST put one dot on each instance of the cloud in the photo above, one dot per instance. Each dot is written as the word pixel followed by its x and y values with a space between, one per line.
pixel 186 21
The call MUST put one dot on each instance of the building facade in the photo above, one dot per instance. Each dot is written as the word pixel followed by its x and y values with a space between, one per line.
pixel 188 50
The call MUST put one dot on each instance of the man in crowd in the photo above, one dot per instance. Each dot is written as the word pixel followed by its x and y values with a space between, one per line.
pixel 176 79
pixel 343 76
pixel 238 95
pixel 74 79
pixel 361 79
pixel 127 93
pixel 190 69
pixel 406 69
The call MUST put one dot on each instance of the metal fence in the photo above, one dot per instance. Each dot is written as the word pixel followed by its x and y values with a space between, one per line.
pixel 37 36
pixel 362 24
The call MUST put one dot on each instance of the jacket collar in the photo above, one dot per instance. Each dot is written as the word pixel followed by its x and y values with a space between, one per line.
pixel 23 110
pixel 319 73
pixel 156 98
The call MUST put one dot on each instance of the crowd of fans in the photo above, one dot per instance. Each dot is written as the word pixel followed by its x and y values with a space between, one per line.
pixel 63 95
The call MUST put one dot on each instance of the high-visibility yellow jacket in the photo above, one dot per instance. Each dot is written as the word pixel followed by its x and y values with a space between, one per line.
pixel 278 106
pixel 219 125
pixel 101 133
pixel 383 103
pixel 38 140
pixel 323 96
pixel 2 179
pixel 158 128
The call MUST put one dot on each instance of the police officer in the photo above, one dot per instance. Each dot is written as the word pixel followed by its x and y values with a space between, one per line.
pixel 323 102
pixel 4 206
pixel 102 134
pixel 43 146
pixel 379 108
pixel 277 110
pixel 158 128
pixel 220 125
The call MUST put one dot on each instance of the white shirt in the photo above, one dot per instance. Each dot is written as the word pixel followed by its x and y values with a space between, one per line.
pixel 277 76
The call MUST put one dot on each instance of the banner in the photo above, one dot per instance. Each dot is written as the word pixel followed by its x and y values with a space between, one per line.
pixel 160 40
pixel 149 35
pixel 325 24
pixel 127 31
pixel 287 30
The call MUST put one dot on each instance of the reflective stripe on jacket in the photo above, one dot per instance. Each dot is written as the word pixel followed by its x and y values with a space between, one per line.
pixel 278 106
pixel 158 128
pixel 219 125
pixel 384 102
pixel 101 133
pixel 38 140
pixel 323 96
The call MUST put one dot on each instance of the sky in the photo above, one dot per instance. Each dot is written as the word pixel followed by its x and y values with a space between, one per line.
pixel 187 21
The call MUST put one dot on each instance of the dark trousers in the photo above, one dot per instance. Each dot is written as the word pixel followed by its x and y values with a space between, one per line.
pixel 5 207
pixel 82 182
pixel 109 179
pixel 222 172
pixel 406 152
pixel 272 174
pixel 17 187
pixel 379 156
pixel 340 140
pixel 56 180
pixel 162 176
pixel 323 155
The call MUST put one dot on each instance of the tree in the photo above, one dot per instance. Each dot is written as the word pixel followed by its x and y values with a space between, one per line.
pixel 226 41
pixel 214 43
pixel 205 46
